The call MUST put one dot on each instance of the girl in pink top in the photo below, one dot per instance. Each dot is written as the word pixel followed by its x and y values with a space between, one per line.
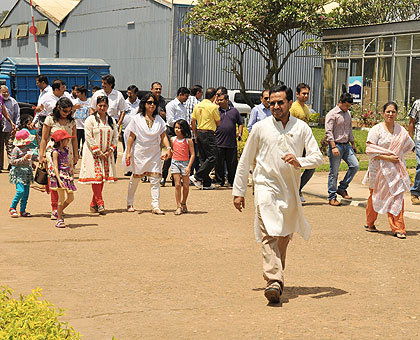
pixel 182 160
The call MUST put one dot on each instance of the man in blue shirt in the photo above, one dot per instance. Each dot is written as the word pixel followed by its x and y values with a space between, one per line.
pixel 226 136
pixel 260 111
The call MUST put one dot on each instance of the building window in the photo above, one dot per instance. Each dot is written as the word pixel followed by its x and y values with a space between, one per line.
pixel 22 31
pixel 384 82
pixel 403 44
pixel 369 81
pixel 41 27
pixel 6 33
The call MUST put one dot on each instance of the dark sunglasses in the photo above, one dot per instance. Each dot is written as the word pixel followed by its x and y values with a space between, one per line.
pixel 150 102
pixel 266 98
pixel 66 111
pixel 279 103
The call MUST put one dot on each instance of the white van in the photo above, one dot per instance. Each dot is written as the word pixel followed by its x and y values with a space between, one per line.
pixel 235 96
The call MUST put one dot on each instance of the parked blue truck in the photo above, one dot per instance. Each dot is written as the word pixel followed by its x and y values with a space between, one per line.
pixel 19 74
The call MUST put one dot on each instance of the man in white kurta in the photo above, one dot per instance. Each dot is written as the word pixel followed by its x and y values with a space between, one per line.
pixel 273 146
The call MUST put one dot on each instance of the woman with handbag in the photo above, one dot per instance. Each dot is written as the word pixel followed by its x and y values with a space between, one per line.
pixel 60 119
pixel 98 165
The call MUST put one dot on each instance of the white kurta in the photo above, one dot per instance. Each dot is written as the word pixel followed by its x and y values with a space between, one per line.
pixel 99 136
pixel 277 183
pixel 145 152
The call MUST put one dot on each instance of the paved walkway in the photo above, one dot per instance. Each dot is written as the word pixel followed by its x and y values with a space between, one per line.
pixel 317 186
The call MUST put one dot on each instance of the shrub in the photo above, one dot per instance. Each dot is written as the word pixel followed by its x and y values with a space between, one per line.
pixel 314 117
pixel 30 318
pixel 241 143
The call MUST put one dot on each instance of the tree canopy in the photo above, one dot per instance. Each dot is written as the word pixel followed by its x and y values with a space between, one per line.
pixel 264 25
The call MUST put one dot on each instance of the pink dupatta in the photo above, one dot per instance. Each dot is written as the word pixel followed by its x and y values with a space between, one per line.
pixel 392 178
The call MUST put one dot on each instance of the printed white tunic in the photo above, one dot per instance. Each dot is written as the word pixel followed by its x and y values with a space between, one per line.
pixel 99 136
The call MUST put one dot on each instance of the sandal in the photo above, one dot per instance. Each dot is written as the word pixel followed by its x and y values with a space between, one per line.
pixel 400 235
pixel 60 224
pixel 371 229
pixel 25 214
pixel 93 208
pixel 130 208
pixel 184 208
pixel 54 215
pixel 157 211
pixel 13 212
pixel 101 210
pixel 178 211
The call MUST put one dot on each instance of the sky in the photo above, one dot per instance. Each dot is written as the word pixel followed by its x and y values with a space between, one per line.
pixel 6 4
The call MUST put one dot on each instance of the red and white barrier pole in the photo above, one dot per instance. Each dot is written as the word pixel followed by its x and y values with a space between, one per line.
pixel 33 30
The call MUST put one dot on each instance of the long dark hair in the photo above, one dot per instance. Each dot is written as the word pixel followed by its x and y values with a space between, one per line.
pixel 109 119
pixel 62 103
pixel 142 105
pixel 184 126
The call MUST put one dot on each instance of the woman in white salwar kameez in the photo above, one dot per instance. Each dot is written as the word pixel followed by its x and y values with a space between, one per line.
pixel 143 156
pixel 98 165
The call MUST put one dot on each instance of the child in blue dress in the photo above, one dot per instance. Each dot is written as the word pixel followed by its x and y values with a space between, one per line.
pixel 21 172
pixel 61 179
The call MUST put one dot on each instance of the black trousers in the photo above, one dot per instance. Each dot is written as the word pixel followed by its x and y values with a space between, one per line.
pixel 80 139
pixel 207 150
pixel 230 156
pixel 170 132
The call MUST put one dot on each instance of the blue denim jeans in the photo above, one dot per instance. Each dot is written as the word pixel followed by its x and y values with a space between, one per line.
pixel 415 190
pixel 347 155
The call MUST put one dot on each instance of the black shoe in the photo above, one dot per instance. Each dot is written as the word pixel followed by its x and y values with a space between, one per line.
pixel 272 294
pixel 129 173
pixel 162 182
pixel 144 179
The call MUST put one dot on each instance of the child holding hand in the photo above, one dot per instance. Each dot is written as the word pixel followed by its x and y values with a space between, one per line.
pixel 21 171
pixel 62 178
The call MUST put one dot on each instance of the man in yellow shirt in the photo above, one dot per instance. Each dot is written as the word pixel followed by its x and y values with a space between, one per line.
pixel 300 110
pixel 204 121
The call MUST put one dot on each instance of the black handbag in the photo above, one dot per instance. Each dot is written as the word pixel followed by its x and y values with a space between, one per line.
pixel 41 176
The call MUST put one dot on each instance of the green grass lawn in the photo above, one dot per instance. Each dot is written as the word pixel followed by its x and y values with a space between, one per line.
pixel 360 137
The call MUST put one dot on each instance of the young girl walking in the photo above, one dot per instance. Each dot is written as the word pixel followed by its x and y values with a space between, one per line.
pixel 62 178
pixel 182 148
pixel 21 171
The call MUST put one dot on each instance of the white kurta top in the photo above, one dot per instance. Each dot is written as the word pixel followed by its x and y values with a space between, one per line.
pixel 145 152
pixel 277 183
pixel 99 136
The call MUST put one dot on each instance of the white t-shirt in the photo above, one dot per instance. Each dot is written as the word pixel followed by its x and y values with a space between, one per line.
pixel 116 102
pixel 81 114
pixel 131 111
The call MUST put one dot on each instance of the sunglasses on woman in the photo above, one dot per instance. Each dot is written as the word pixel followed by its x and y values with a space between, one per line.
pixel 150 102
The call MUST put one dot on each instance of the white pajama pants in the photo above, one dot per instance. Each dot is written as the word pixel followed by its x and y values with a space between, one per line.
pixel 154 190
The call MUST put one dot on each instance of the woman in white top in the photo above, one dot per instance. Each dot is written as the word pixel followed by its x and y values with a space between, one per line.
pixel 143 155
pixel 98 165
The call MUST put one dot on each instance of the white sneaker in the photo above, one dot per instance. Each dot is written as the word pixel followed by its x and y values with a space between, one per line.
pixel 196 182
pixel 302 199
pixel 211 187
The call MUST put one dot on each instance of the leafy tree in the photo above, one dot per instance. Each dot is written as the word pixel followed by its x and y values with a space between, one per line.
pixel 3 15
pixel 268 27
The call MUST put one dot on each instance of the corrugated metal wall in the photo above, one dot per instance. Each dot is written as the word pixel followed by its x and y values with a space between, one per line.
pixel 25 47
pixel 207 67
pixel 131 35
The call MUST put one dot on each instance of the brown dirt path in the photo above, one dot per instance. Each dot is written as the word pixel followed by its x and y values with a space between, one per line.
pixel 198 276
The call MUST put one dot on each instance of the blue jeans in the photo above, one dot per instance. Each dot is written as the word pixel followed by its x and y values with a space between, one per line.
pixel 22 194
pixel 347 154
pixel 415 190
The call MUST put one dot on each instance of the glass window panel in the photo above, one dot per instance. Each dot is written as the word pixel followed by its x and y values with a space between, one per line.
pixel 328 86
pixel 370 46
pixel 415 84
pixel 330 49
pixel 416 42
pixel 384 82
pixel 342 79
pixel 385 45
pixel 401 80
pixel 369 82
pixel 355 67
pixel 403 43
pixel 356 48
pixel 343 49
